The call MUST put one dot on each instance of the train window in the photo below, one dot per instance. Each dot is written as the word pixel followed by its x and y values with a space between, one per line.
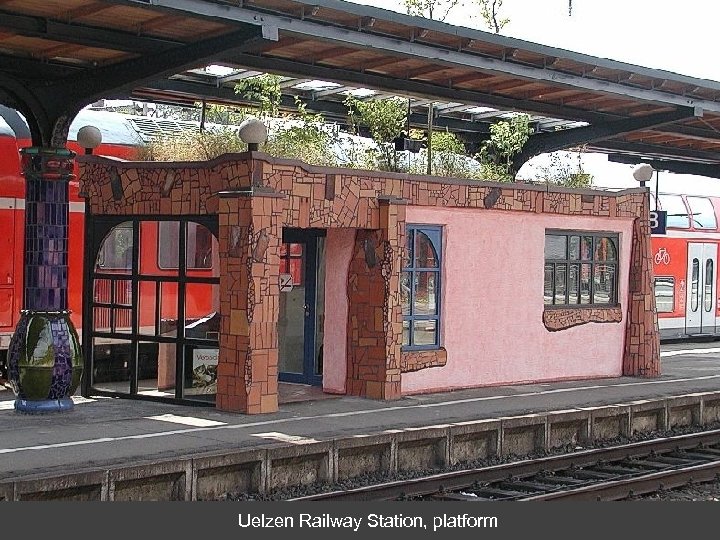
pixel 580 268
pixel 665 294
pixel 695 285
pixel 703 213
pixel 677 213
pixel 199 245
pixel 420 288
pixel 709 281
pixel 116 250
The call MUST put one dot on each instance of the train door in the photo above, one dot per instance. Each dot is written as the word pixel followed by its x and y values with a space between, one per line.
pixel 701 282
pixel 301 317
pixel 7 262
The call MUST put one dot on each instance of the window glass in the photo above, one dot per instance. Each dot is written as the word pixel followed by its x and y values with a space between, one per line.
pixel 677 214
pixel 405 292
pixel 410 240
pixel 555 247
pixel 560 283
pixel 291 262
pixel 198 245
pixel 665 294
pixel 694 284
pixel 585 281
pixel 425 332
pixel 425 293
pixel 708 301
pixel 574 284
pixel 425 256
pixel 588 273
pixel 574 248
pixel 116 250
pixel 604 285
pixel 548 286
pixel 703 213
pixel 605 249
pixel 420 287
pixel 586 247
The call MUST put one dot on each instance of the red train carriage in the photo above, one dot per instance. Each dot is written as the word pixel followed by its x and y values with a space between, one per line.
pixel 685 265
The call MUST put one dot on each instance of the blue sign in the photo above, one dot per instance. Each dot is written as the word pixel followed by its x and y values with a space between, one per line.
pixel 658 221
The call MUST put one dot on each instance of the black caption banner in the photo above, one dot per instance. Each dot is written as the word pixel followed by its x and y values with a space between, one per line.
pixel 416 520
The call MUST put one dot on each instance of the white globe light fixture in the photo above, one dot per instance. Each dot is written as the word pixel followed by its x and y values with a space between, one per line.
pixel 253 132
pixel 643 173
pixel 89 138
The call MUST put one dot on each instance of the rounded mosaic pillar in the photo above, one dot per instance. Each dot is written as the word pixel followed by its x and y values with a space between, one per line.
pixel 44 357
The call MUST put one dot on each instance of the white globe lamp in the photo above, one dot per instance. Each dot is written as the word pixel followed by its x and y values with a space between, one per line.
pixel 253 132
pixel 643 173
pixel 89 138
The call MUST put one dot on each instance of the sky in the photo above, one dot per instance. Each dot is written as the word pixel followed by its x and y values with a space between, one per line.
pixel 677 36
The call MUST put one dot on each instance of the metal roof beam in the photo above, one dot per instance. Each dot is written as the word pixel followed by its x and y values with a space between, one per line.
pixel 654 151
pixel 417 89
pixel 680 167
pixel 567 138
pixel 332 91
pixel 333 110
pixel 407 49
pixel 238 76
pixel 452 108
pixel 88 36
pixel 29 69
pixel 53 106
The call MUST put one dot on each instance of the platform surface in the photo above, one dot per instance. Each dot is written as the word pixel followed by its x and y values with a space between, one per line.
pixel 103 432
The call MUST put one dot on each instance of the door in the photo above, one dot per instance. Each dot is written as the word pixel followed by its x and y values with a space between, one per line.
pixel 701 283
pixel 7 262
pixel 301 317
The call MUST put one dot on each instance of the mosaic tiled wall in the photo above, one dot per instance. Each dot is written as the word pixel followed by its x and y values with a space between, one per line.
pixel 417 360
pixel 642 336
pixel 250 236
pixel 375 316
pixel 562 319
pixel 290 194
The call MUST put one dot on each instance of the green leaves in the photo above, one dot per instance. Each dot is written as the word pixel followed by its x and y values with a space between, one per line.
pixel 385 119
pixel 507 139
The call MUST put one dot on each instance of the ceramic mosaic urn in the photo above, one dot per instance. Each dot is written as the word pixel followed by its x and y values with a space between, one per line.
pixel 45 362
pixel 44 357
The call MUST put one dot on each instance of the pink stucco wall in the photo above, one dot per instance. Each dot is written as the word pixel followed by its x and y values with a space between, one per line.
pixel 492 303
pixel 338 252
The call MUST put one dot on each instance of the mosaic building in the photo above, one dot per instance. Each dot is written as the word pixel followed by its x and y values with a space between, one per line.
pixel 214 281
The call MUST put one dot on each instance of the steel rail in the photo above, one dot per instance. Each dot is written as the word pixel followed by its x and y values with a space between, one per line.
pixel 626 487
pixel 457 480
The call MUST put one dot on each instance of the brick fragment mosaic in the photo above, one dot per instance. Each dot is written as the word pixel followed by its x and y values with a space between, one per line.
pixel 642 336
pixel 417 360
pixel 255 196
pixel 562 319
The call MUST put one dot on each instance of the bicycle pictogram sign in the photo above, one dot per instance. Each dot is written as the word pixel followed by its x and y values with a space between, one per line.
pixel 662 256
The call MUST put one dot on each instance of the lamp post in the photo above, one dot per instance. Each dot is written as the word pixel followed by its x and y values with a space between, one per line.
pixel 253 132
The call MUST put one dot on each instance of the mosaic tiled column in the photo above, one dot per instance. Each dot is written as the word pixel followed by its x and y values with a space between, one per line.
pixel 250 235
pixel 375 313
pixel 642 337
pixel 44 356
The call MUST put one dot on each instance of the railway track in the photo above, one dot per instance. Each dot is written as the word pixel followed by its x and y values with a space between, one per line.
pixel 596 474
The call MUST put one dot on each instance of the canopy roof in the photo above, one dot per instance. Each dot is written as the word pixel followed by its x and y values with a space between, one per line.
pixel 82 50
